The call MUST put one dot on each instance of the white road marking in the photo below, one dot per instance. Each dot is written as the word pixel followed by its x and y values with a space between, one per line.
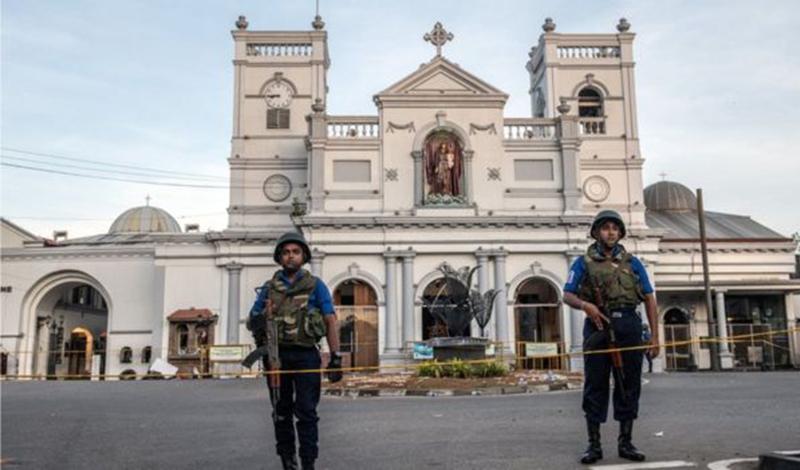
pixel 787 452
pixel 645 465
pixel 725 464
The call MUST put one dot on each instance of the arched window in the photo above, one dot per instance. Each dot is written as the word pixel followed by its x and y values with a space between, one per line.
pixel 147 354
pixel 125 355
pixel 183 339
pixel 590 103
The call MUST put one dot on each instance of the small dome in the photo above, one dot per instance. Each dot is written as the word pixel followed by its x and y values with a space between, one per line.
pixel 669 196
pixel 145 219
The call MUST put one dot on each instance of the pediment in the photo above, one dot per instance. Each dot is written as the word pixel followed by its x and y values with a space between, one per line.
pixel 442 77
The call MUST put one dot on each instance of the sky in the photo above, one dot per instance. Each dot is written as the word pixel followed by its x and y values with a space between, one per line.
pixel 148 84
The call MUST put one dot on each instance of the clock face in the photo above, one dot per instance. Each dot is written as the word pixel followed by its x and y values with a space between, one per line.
pixel 279 95
pixel 277 188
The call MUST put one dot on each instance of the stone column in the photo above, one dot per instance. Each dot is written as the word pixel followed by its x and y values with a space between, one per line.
pixel 725 356
pixel 482 258
pixel 419 178
pixel 391 303
pixel 318 129
pixel 316 262
pixel 576 320
pixel 570 159
pixel 238 96
pixel 408 300
pixel 501 301
pixel 468 154
pixel 234 292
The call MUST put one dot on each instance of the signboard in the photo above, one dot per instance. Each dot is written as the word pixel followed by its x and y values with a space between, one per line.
pixel 755 354
pixel 541 349
pixel 490 350
pixel 226 353
pixel 423 352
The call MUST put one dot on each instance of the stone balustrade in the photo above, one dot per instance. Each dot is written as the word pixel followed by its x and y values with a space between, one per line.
pixel 353 127
pixel 529 129
pixel 588 52
pixel 593 126
pixel 279 49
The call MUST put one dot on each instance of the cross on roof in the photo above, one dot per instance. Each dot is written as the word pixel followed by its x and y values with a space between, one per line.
pixel 147 200
pixel 438 37
pixel 663 176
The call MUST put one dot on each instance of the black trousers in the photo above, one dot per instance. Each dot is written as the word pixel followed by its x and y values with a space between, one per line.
pixel 299 397
pixel 597 370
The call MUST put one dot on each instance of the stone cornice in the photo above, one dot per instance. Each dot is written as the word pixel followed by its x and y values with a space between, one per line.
pixel 247 236
pixel 443 222
pixel 278 36
pixel 80 251
pixel 611 164
pixel 792 285
pixel 269 163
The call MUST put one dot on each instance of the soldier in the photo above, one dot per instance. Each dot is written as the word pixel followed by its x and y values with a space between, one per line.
pixel 608 284
pixel 302 308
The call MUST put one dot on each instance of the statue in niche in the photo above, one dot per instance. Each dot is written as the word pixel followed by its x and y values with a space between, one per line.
pixel 443 168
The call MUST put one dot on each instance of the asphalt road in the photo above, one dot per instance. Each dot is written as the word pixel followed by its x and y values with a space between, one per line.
pixel 704 417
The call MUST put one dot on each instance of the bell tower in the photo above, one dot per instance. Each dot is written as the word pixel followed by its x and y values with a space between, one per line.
pixel 278 75
pixel 592 76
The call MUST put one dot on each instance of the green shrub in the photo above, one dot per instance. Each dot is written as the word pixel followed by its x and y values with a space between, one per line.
pixel 458 369
pixel 489 369
pixel 430 369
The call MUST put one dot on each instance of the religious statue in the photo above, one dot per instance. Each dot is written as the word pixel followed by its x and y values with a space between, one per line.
pixel 443 165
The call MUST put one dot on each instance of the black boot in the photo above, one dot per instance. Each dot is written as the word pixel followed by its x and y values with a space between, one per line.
pixel 289 462
pixel 308 464
pixel 626 448
pixel 594 452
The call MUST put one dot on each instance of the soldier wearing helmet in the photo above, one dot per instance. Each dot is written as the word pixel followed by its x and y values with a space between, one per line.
pixel 610 276
pixel 303 310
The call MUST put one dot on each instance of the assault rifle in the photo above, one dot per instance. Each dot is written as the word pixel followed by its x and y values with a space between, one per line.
pixel 270 350
pixel 616 355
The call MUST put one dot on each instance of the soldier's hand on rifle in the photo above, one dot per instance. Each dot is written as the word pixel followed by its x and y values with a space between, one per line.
pixel 595 315
pixel 334 372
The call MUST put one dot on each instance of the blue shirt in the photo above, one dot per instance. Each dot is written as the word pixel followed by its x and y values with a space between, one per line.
pixel 320 297
pixel 578 270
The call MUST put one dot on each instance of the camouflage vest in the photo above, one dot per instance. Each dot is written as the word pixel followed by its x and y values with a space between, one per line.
pixel 297 324
pixel 619 285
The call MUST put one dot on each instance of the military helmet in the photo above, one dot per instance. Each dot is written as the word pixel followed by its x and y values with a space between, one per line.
pixel 605 215
pixel 291 237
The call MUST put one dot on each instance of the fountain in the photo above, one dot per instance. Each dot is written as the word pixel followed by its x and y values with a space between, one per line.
pixel 455 305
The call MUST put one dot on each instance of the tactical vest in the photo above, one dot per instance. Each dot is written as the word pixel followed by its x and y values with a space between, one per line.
pixel 619 285
pixel 296 322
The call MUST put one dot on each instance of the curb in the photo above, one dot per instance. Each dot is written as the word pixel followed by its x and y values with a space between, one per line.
pixel 488 391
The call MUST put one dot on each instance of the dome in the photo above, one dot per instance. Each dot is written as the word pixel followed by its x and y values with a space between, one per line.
pixel 669 196
pixel 145 219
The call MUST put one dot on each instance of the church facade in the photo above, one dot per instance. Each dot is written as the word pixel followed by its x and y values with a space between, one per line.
pixel 437 175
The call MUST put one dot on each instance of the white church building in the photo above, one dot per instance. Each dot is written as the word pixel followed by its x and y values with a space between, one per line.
pixel 437 174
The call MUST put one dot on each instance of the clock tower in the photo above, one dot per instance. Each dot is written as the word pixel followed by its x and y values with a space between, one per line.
pixel 278 75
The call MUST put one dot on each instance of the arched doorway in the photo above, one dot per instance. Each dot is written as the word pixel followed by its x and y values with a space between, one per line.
pixel 676 330
pixel 70 332
pixel 357 310
pixel 440 313
pixel 536 313
pixel 79 353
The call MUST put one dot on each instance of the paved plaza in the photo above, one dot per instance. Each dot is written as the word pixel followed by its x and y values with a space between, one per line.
pixel 691 418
